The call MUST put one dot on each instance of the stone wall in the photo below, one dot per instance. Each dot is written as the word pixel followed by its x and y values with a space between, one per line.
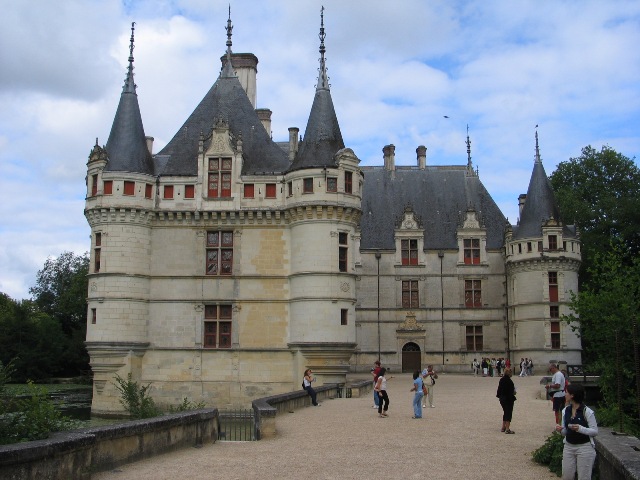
pixel 79 453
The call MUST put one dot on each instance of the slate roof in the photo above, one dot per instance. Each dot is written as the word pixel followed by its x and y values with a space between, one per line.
pixel 439 195
pixel 127 145
pixel 540 206
pixel 226 100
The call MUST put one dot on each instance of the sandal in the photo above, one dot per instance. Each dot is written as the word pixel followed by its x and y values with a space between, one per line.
pixel 509 431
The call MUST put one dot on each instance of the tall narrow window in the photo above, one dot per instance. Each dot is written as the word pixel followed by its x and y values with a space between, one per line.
pixel 94 185
pixel 219 252
pixel 107 187
pixel 289 189
pixel 168 192
pixel 539 246
pixel 307 185
pixel 219 182
pixel 189 191
pixel 410 294
pixel 529 249
pixel 555 335
pixel 94 316
pixel 344 313
pixel 554 311
pixel 472 251
pixel 348 182
pixel 249 190
pixel 270 190
pixel 343 250
pixel 409 252
pixel 474 338
pixel 96 252
pixel 332 184
pixel 553 242
pixel 148 190
pixel 129 188
pixel 553 286
pixel 472 294
pixel 217 326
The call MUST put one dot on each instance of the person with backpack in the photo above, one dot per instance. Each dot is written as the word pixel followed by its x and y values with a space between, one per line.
pixel 306 385
pixel 578 426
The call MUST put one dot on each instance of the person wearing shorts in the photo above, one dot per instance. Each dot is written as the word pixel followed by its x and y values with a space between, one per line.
pixel 555 390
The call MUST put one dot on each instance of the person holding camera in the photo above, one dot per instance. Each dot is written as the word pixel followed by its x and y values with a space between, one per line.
pixel 429 377
pixel 578 426
pixel 306 384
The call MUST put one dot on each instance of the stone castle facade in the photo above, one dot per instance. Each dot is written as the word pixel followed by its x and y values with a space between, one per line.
pixel 227 263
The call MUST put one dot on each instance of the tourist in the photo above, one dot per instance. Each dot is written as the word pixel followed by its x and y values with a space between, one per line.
pixel 578 426
pixel 476 367
pixel 381 388
pixel 417 398
pixel 306 384
pixel 429 379
pixel 555 391
pixel 375 371
pixel 530 367
pixel 507 395
pixel 485 367
pixel 523 367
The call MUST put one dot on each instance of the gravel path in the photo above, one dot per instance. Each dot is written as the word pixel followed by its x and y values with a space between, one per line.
pixel 345 439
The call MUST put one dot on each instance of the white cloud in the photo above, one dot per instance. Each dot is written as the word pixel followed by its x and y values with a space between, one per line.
pixel 396 70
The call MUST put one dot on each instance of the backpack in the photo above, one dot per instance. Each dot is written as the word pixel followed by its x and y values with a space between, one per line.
pixel 303 387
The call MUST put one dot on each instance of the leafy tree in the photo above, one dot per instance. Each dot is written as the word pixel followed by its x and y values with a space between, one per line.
pixel 600 192
pixel 61 290
pixel 607 308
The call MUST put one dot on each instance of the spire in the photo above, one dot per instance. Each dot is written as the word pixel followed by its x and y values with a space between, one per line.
pixel 323 79
pixel 468 142
pixel 538 160
pixel 127 144
pixel 227 71
pixel 129 85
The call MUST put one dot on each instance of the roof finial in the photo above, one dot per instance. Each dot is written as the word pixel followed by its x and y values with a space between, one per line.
pixel 323 80
pixel 228 68
pixel 129 85
pixel 469 164
pixel 538 160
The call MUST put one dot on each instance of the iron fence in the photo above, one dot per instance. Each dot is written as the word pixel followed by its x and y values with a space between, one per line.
pixel 237 425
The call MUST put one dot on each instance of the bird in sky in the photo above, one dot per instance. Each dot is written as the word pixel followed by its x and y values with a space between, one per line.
pixel 446 116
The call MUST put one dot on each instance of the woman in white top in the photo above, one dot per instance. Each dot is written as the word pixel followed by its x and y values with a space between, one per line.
pixel 381 388
pixel 306 384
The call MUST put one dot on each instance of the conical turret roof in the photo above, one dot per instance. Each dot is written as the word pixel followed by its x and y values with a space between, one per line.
pixel 127 145
pixel 322 138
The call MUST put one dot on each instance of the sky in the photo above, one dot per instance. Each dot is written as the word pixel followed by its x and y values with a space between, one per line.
pixel 408 73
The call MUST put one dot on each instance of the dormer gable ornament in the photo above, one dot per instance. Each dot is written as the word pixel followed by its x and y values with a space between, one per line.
pixel 220 139
pixel 471 219
pixel 98 153
pixel 551 222
pixel 409 220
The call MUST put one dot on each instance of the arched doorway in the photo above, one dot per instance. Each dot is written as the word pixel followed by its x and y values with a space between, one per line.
pixel 411 358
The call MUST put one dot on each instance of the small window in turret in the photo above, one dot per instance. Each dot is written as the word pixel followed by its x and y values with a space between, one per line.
pixel 529 247
pixel 270 190
pixel 189 191
pixel 348 182
pixel 249 190
pixel 107 187
pixel 148 190
pixel 332 184
pixel 168 192
pixel 94 185
pixel 129 188
pixel 307 185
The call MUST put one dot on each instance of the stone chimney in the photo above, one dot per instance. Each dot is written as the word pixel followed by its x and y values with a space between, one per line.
pixel 264 114
pixel 389 154
pixel 246 68
pixel 149 144
pixel 421 151
pixel 521 201
pixel 293 142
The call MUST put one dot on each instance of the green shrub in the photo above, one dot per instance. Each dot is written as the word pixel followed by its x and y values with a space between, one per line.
pixel 551 453
pixel 186 405
pixel 136 399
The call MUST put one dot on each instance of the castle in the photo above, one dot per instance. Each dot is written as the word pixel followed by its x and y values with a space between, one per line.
pixel 226 263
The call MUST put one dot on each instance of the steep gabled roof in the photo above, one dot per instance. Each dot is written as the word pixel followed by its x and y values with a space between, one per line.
pixel 322 138
pixel 439 195
pixel 540 204
pixel 127 145
pixel 226 100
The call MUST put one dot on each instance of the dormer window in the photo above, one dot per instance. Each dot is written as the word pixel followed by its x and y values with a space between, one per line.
pixel 553 242
pixel 471 251
pixel 219 181
pixel 348 182
pixel 409 249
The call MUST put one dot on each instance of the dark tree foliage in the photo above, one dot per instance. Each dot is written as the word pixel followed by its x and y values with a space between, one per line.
pixel 600 192
pixel 61 290
pixel 33 340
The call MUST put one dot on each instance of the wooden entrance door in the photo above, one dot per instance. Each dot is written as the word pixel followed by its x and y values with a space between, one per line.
pixel 411 358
